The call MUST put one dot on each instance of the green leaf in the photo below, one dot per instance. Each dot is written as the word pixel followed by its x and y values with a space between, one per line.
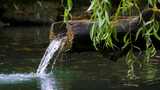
pixel 92 31
pixel 148 22
pixel 150 2
pixel 138 32
pixel 107 1
pixel 125 37
pixel 66 14
pixel 91 6
pixel 156 35
pixel 70 4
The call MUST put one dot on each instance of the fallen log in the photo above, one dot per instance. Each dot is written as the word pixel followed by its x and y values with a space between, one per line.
pixel 81 29
pixel 78 33
pixel 78 30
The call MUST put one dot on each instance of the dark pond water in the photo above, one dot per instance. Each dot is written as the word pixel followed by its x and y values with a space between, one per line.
pixel 21 49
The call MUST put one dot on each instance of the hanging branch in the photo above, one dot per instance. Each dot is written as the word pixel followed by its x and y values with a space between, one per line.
pixel 103 31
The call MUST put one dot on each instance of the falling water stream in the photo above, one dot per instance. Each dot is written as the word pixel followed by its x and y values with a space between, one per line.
pixel 55 45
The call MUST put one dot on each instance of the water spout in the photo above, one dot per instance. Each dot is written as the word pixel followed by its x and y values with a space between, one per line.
pixel 56 45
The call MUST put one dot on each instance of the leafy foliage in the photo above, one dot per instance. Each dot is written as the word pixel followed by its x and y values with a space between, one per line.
pixel 102 31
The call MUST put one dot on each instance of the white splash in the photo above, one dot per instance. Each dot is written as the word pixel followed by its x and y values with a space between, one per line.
pixel 16 78
pixel 47 82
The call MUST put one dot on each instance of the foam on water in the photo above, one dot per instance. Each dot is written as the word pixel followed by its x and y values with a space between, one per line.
pixel 47 81
pixel 16 78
